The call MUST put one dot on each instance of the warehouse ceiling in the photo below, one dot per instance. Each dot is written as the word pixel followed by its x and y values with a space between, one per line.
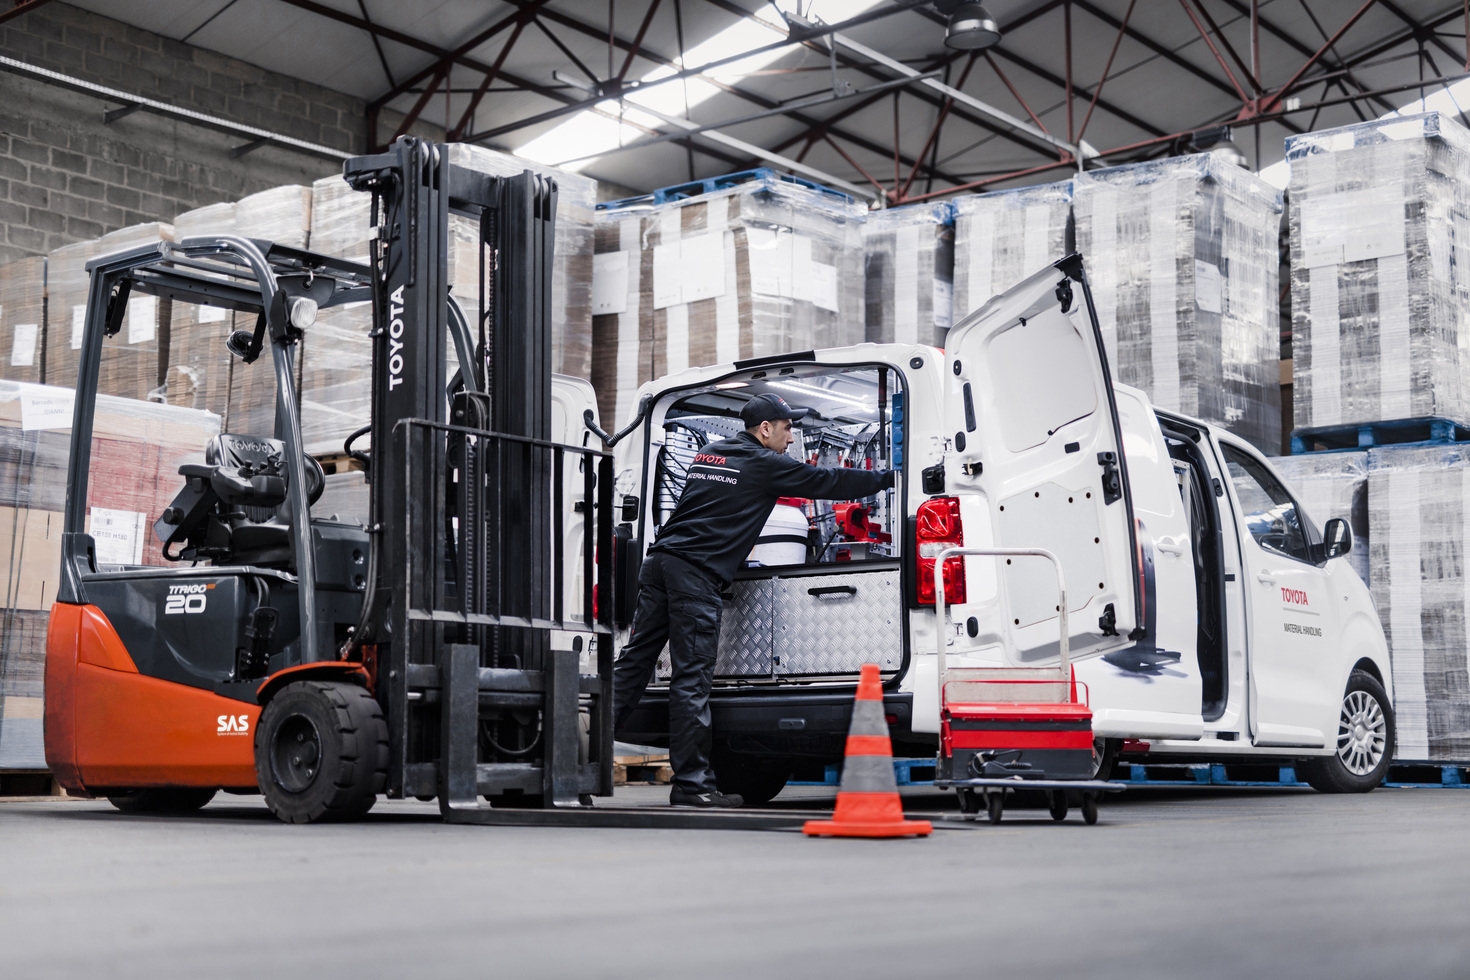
pixel 1127 79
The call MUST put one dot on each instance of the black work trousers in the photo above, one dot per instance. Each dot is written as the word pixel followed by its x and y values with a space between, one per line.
pixel 678 604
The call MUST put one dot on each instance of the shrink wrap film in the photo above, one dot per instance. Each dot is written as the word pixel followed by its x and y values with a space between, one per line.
pixel 1182 255
pixel 1329 485
pixel 134 359
pixel 909 257
pixel 337 355
pixel 1002 237
pixel 1419 527
pixel 137 448
pixel 345 498
pixel 198 374
pixel 22 318
pixel 1379 281
pixel 768 266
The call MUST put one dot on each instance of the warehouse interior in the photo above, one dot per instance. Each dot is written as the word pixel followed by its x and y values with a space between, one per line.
pixel 1270 199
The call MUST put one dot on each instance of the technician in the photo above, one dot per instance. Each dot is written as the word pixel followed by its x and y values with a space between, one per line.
pixel 728 496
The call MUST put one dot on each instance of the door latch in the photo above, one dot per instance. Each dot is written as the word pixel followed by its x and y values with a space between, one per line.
pixel 1112 483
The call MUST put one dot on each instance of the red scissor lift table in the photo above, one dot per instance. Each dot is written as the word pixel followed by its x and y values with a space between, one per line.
pixel 1004 729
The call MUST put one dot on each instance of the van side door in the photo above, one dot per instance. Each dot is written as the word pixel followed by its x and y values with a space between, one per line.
pixel 1293 625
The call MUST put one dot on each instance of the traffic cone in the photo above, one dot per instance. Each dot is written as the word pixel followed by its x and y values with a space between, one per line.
pixel 867 801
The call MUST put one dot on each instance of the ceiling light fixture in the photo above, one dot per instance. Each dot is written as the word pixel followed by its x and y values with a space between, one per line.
pixel 971 27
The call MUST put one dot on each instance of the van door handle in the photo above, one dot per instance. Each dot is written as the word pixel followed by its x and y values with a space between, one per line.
pixel 1265 578
pixel 1177 550
pixel 836 591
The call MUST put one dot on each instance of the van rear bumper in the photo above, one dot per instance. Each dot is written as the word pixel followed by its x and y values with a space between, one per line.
pixel 796 723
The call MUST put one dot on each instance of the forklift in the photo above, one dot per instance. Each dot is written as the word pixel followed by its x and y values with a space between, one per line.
pixel 433 652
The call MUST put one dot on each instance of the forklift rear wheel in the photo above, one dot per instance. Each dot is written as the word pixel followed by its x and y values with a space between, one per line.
pixel 1089 809
pixel 1058 805
pixel 1365 741
pixel 163 801
pixel 996 804
pixel 321 752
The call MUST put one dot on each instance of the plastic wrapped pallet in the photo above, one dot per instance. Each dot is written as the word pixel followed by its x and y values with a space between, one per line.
pixel 22 318
pixel 763 267
pixel 1379 286
pixel 1182 257
pixel 1002 237
pixel 281 215
pixel 198 374
pixel 345 498
pixel 135 358
pixel 137 448
pixel 571 275
pixel 1334 485
pixel 1419 521
pixel 337 356
pixel 909 258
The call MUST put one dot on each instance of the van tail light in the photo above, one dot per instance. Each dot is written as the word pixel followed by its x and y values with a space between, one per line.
pixel 938 527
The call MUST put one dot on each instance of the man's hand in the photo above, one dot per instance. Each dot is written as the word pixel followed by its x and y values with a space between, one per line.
pixel 888 479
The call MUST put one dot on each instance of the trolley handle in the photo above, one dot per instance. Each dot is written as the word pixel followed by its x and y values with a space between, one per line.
pixel 942 635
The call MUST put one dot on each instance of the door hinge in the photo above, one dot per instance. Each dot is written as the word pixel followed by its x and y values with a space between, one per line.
pixel 1112 483
pixel 1108 621
pixel 933 479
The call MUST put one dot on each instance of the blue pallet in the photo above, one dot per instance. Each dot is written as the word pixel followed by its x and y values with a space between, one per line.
pixel 708 185
pixel 1450 777
pixel 1198 774
pixel 1400 432
pixel 903 774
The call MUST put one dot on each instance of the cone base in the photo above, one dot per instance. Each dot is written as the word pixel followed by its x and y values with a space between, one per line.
pixel 894 828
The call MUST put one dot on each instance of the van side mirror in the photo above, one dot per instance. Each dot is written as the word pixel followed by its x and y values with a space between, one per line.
pixel 1337 539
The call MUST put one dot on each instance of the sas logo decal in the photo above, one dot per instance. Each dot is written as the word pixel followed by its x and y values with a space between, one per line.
pixel 1294 597
pixel 232 725
pixel 183 599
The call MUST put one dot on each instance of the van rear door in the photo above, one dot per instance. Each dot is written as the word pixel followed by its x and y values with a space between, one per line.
pixel 1034 432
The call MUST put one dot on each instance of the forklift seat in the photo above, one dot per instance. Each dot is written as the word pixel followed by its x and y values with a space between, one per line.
pixel 232 507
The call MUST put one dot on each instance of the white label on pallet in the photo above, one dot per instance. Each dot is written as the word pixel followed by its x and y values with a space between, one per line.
pixel 667 289
pixel 23 351
pixel 78 322
pixel 213 314
pixel 610 283
pixel 142 319
pixel 824 285
pixel 1207 292
pixel 119 536
pixel 770 261
pixel 45 407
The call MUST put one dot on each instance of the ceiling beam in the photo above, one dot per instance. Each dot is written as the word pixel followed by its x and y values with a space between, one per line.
pixel 22 8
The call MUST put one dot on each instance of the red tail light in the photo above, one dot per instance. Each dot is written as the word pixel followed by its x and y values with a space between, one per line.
pixel 939 527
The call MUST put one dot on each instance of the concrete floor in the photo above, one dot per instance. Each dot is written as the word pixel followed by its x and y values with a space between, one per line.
pixel 1200 885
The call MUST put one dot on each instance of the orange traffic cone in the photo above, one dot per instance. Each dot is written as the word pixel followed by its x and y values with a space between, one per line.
pixel 867 801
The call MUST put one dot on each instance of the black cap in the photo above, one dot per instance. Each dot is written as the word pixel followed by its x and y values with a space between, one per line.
pixel 768 408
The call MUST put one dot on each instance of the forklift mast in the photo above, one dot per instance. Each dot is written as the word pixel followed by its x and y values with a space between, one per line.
pixel 469 500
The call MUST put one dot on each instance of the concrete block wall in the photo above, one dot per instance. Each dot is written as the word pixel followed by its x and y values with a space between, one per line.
pixel 67 176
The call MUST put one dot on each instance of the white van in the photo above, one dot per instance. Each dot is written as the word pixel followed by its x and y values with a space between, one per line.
pixel 1210 618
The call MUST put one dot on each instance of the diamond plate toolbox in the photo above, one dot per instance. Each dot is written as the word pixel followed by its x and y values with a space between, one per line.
pixel 833 624
pixel 745 633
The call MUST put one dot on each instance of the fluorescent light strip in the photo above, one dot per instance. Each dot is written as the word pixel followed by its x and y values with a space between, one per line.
pixel 822 393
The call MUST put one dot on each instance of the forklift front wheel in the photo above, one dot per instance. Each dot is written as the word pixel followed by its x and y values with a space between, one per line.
pixel 321 751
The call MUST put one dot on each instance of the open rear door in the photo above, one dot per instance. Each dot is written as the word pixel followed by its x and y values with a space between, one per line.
pixel 1035 435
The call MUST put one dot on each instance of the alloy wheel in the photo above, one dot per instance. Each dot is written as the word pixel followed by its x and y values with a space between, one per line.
pixel 1362 733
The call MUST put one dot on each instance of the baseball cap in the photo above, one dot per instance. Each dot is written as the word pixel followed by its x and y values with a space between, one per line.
pixel 768 408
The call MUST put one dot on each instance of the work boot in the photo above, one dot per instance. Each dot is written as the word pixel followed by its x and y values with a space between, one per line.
pixel 710 799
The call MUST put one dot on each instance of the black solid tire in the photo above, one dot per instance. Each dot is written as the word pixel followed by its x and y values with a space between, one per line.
pixel 756 781
pixel 996 805
pixel 1328 774
pixel 342 763
pixel 1058 805
pixel 163 801
pixel 1089 809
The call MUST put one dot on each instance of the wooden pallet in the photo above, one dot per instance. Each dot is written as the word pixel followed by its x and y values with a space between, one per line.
pixel 632 770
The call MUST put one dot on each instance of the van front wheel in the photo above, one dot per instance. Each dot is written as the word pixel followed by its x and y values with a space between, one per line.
pixel 754 779
pixel 1365 741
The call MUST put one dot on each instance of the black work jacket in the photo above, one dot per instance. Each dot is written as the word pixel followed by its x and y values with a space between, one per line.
pixel 729 494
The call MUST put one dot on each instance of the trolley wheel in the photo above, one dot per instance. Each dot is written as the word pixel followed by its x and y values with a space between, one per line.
pixel 969 800
pixel 996 804
pixel 1058 805
pixel 1089 809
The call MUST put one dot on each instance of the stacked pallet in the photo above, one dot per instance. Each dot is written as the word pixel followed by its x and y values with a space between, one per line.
pixel 1329 485
pixel 137 448
pixel 1003 237
pixel 1379 215
pixel 909 266
pixel 1182 256
pixel 198 374
pixel 22 318
pixel 337 356
pixel 743 266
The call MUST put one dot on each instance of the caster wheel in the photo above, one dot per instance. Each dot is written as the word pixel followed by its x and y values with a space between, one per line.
pixel 1058 805
pixel 969 801
pixel 1089 809
pixel 996 805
